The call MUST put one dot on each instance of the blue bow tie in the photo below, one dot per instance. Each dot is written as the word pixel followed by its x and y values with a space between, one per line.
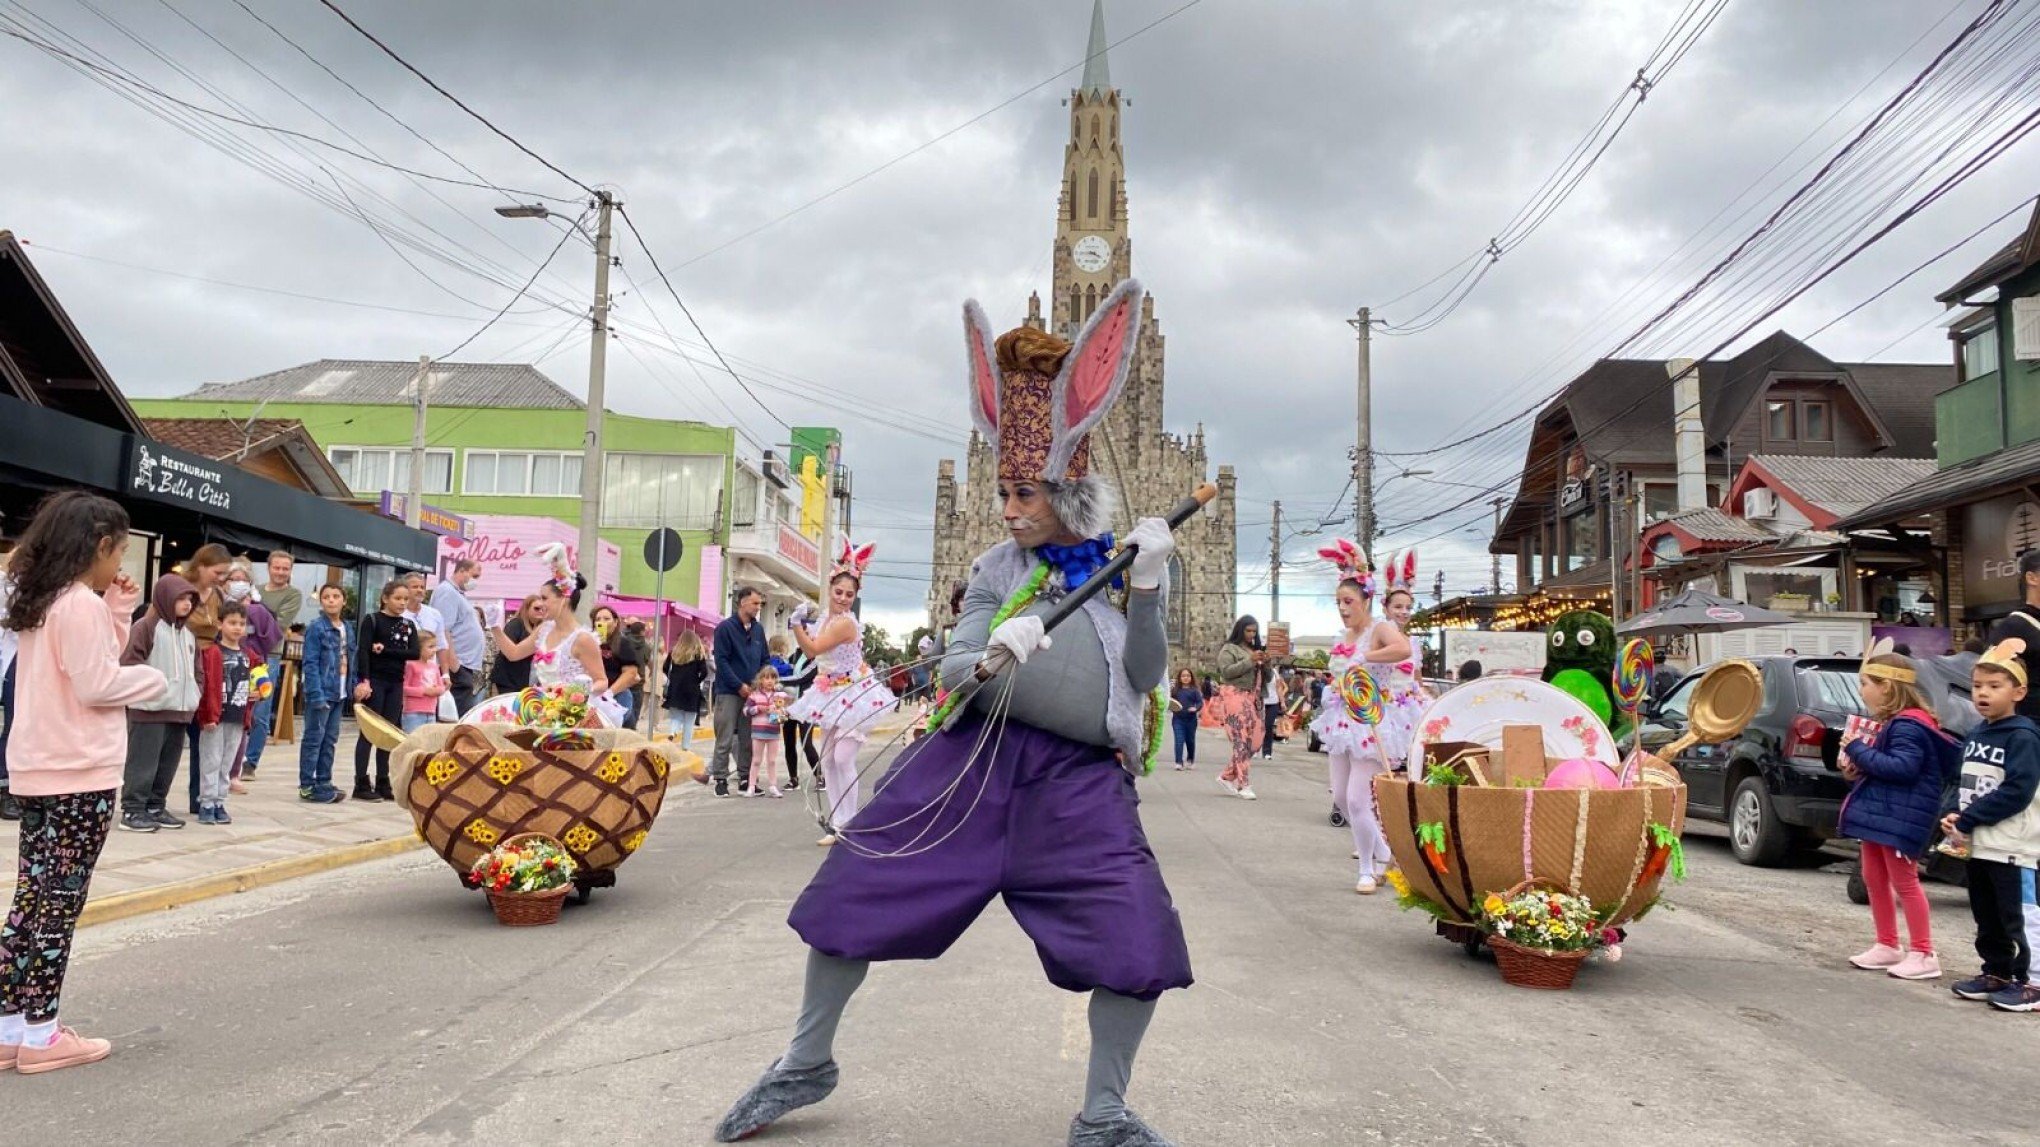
pixel 1080 561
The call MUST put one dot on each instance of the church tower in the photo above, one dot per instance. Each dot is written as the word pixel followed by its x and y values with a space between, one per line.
pixel 1093 251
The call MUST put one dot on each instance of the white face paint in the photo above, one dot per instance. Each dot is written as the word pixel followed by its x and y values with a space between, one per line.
pixel 1028 516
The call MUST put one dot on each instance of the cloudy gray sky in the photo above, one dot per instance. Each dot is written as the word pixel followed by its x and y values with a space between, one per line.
pixel 1287 162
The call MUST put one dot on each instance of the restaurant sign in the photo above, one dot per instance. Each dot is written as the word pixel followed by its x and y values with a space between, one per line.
pixel 157 472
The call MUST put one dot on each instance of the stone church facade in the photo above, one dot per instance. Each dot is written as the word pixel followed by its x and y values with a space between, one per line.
pixel 1153 468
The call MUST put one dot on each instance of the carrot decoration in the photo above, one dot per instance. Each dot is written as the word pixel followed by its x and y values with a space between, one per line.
pixel 1666 853
pixel 1431 840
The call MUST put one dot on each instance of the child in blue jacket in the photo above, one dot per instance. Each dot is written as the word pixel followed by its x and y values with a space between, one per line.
pixel 1999 823
pixel 1898 779
pixel 328 638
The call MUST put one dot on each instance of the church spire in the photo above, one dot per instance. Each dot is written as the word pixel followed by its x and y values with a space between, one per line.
pixel 1097 75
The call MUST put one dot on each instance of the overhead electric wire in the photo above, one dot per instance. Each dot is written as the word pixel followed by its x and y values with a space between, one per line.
pixel 512 300
pixel 1572 170
pixel 79 61
pixel 512 140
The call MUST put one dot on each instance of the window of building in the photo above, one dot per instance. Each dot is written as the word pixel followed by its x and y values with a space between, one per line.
pixel 744 499
pixel 1076 304
pixel 1583 540
pixel 1979 351
pixel 1816 421
pixel 544 474
pixel 1090 299
pixel 1659 499
pixel 1780 425
pixel 646 491
pixel 1091 195
pixel 373 469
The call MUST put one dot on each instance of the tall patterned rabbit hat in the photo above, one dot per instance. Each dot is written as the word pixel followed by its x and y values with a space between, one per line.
pixel 560 572
pixel 853 560
pixel 1036 397
pixel 1352 565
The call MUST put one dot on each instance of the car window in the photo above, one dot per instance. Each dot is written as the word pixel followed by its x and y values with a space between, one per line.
pixel 1830 687
pixel 1673 708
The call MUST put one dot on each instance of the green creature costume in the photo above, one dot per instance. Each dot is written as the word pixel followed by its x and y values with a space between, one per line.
pixel 1581 661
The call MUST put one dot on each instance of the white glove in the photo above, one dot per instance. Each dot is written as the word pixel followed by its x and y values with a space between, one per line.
pixel 1012 643
pixel 1156 543
pixel 800 615
pixel 492 615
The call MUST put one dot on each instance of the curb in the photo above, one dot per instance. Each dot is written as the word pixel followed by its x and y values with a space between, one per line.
pixel 124 905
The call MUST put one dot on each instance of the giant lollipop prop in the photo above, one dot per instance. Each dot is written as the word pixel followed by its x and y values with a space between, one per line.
pixel 1362 696
pixel 1633 666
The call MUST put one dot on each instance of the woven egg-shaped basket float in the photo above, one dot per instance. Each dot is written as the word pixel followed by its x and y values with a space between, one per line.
pixel 1595 843
pixel 596 791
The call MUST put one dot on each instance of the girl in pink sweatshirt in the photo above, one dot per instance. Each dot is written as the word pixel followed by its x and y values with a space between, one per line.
pixel 424 684
pixel 70 603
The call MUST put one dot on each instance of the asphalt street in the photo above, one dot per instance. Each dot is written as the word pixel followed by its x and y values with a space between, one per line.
pixel 382 1004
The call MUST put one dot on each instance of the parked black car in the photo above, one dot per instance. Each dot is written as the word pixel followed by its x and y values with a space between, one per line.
pixel 1777 786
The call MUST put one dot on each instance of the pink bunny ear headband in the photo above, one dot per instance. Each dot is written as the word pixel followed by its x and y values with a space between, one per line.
pixel 1351 563
pixel 853 560
pixel 1403 577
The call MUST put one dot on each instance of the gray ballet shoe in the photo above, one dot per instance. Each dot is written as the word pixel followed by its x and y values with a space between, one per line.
pixel 776 1093
pixel 1125 1131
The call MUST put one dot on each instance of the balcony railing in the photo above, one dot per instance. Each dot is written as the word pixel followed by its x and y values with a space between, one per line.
pixel 1969 420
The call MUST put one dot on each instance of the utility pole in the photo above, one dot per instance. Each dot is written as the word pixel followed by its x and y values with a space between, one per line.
pixel 1438 588
pixel 1275 567
pixel 592 462
pixel 1363 444
pixel 1495 574
pixel 414 498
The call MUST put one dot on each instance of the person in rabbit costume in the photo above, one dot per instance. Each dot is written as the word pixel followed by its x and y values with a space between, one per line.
pixel 847 699
pixel 1403 695
pixel 1042 760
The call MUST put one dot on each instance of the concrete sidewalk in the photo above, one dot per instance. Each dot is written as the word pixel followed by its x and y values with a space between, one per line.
pixel 274 836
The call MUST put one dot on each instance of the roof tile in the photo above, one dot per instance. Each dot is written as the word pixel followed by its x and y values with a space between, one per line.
pixel 363 382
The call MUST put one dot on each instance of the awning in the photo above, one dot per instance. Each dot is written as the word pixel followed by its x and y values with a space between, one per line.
pixel 629 606
pixel 169 491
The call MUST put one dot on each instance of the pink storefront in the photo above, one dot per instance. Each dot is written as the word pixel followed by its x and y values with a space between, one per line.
pixel 508 545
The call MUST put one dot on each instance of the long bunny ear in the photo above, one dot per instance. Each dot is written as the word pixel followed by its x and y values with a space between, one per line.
pixel 844 555
pixel 1409 568
pixel 984 372
pixel 863 556
pixel 1389 571
pixel 1094 374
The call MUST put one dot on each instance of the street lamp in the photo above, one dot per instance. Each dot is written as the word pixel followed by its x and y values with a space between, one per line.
pixel 590 557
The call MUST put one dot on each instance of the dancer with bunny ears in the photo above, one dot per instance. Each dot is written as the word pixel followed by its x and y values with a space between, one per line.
pixel 1044 755
pixel 1403 697
pixel 1352 739
pixel 847 699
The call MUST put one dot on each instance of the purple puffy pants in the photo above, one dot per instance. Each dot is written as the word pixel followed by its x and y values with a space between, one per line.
pixel 1056 831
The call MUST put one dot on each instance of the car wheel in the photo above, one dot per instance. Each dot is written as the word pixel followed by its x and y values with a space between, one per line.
pixel 1859 893
pixel 1754 834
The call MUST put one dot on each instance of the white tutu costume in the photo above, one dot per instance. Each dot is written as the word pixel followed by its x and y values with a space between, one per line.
pixel 549 666
pixel 1335 725
pixel 1405 702
pixel 846 699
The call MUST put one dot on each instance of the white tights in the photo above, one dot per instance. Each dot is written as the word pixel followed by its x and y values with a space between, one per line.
pixel 1353 791
pixel 839 771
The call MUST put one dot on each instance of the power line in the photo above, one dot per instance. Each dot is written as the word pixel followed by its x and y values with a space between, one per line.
pixel 513 141
pixel 483 329
pixel 79 61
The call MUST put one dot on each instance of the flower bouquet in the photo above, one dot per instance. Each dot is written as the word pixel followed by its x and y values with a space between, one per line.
pixel 1539 935
pixel 526 878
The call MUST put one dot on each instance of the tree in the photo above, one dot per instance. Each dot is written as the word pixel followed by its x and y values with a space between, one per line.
pixel 878 645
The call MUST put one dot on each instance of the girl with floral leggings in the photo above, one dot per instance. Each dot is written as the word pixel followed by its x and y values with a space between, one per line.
pixel 70 603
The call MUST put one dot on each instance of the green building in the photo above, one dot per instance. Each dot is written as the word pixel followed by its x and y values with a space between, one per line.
pixel 505 440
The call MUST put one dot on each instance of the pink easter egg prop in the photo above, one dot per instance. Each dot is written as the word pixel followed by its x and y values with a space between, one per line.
pixel 1581 773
